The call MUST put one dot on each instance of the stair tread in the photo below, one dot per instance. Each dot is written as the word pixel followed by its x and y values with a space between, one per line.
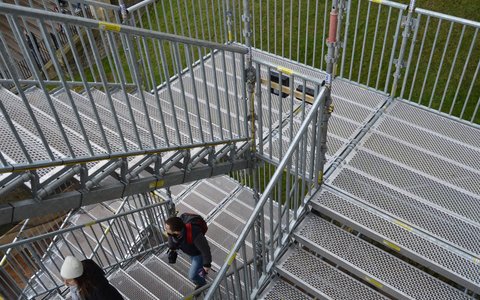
pixel 107 121
pixel 413 210
pixel 391 274
pixel 322 279
pixel 172 277
pixel 386 230
pixel 279 289
pixel 129 287
pixel 152 283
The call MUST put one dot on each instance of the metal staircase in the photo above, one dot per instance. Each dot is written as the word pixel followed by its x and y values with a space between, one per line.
pixel 382 205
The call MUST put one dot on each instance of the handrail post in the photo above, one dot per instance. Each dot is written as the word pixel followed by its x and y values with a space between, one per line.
pixel 251 78
pixel 318 102
pixel 409 24
pixel 331 60
pixel 228 13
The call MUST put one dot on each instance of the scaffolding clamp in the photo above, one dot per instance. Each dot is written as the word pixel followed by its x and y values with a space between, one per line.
pixel 250 75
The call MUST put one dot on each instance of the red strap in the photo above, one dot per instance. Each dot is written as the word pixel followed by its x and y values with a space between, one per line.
pixel 188 228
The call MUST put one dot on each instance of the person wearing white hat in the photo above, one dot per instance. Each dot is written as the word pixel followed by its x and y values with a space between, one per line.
pixel 72 269
pixel 86 280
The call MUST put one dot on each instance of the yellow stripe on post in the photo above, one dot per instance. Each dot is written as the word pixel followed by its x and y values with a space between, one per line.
pixel 285 70
pixel 230 261
pixel 377 1
pixel 109 26
pixel 4 260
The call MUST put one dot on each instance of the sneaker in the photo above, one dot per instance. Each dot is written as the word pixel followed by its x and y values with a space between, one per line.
pixel 202 273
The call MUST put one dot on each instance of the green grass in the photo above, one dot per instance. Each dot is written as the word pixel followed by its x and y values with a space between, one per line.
pixel 290 29
pixel 362 59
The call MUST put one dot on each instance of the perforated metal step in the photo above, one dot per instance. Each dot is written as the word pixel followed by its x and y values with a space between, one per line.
pixel 388 231
pixel 279 289
pixel 370 263
pixel 321 279
pixel 107 120
pixel 410 209
pixel 175 278
pixel 168 117
pixel 129 287
pixel 149 281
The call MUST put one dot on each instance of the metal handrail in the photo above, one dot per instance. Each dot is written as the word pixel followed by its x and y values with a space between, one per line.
pixel 112 156
pixel 62 231
pixel 266 194
pixel 36 261
pixel 94 24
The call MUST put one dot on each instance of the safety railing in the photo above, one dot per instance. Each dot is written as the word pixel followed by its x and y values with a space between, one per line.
pixel 408 52
pixel 268 229
pixel 132 68
pixel 30 270
pixel 200 19
pixel 442 64
pixel 86 8
pixel 149 93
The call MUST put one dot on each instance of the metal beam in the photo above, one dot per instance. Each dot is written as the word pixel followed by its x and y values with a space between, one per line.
pixel 20 210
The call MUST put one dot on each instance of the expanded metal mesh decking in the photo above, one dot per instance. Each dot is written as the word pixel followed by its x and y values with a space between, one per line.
pixel 383 270
pixel 322 279
pixel 385 229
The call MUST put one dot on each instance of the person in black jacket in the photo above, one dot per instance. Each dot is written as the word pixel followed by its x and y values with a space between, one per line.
pixel 198 249
pixel 87 281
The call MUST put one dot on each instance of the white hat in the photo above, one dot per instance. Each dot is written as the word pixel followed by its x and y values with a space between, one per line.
pixel 71 268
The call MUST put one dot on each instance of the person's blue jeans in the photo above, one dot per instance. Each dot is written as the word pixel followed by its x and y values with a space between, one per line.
pixel 197 264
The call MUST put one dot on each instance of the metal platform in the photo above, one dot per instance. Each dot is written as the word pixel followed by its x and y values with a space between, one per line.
pixel 407 178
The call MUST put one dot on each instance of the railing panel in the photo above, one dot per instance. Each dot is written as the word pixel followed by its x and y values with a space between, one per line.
pixel 443 64
pixel 371 36
pixel 179 108
pixel 281 202
pixel 30 270
pixel 200 19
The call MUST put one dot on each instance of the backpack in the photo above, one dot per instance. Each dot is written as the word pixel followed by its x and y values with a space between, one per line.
pixel 192 219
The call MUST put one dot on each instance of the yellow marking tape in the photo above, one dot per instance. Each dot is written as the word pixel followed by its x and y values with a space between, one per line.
pixel 309 99
pixel 377 1
pixel 392 245
pixel 90 224
pixel 190 297
pixel 4 260
pixel 230 36
pixel 109 26
pixel 157 184
pixel 403 225
pixel 374 282
pixel 107 230
pixel 476 261
pixel 230 261
pixel 285 70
